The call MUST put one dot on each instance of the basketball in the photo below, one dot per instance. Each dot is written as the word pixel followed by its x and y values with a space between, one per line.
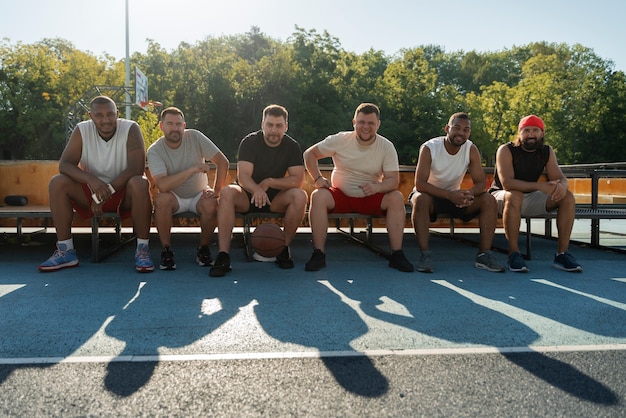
pixel 268 240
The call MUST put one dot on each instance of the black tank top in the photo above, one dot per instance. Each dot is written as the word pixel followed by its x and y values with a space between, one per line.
pixel 527 166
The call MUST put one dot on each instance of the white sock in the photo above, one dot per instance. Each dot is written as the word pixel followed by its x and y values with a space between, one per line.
pixel 142 241
pixel 69 243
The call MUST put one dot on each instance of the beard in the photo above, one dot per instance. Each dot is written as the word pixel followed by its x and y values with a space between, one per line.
pixel 532 144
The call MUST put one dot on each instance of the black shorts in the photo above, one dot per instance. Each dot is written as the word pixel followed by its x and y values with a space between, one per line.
pixel 445 206
pixel 271 194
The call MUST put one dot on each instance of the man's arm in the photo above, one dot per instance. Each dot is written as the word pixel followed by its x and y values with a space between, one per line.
pixel 293 179
pixel 167 182
pixel 556 178
pixel 422 173
pixel 311 157
pixel 461 198
pixel 221 171
pixel 136 156
pixel 477 173
pixel 68 163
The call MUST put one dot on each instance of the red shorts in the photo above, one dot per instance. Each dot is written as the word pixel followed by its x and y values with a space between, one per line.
pixel 368 205
pixel 113 204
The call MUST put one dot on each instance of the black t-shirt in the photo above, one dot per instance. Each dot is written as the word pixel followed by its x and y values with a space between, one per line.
pixel 269 161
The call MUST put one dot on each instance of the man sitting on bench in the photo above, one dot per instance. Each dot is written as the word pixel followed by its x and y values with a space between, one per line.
pixel 517 188
pixel 101 170
pixel 264 158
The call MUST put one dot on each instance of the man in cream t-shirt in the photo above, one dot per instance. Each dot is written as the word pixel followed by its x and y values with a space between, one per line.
pixel 364 180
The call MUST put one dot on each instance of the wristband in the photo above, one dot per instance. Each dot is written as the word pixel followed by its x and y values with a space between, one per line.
pixel 111 188
pixel 319 177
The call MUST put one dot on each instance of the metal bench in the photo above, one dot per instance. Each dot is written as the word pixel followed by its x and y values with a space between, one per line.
pixel 43 212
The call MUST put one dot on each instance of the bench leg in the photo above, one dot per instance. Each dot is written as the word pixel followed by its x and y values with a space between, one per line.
pixel 95 239
pixel 528 239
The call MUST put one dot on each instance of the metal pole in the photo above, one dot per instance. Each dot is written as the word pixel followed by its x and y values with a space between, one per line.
pixel 127 68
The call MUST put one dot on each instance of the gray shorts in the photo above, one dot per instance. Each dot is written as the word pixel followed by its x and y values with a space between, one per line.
pixel 534 203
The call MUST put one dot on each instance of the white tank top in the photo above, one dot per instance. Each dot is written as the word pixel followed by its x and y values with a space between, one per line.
pixel 446 170
pixel 104 159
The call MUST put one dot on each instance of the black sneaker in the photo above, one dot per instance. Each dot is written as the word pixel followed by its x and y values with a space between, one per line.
pixel 167 259
pixel 399 261
pixel 566 262
pixel 317 261
pixel 203 256
pixel 221 265
pixel 284 259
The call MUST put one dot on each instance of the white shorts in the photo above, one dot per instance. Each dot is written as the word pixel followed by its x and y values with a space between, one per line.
pixel 187 204
pixel 534 203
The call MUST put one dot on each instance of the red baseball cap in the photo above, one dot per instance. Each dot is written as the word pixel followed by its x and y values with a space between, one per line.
pixel 531 120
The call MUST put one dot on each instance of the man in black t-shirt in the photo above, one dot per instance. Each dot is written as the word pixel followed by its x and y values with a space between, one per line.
pixel 270 174
pixel 518 191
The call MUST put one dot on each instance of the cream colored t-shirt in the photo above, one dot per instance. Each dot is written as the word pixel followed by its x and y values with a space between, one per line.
pixel 356 165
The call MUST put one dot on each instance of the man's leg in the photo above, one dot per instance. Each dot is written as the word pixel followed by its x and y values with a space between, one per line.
pixel 487 219
pixel 511 218
pixel 62 191
pixel 165 204
pixel 393 205
pixel 207 208
pixel 321 202
pixel 232 199
pixel 291 202
pixel 566 212
pixel 138 200
pixel 420 217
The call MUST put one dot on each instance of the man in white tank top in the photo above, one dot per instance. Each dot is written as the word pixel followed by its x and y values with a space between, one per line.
pixel 441 167
pixel 101 170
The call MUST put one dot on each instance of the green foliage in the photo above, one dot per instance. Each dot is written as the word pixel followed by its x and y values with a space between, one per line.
pixel 223 83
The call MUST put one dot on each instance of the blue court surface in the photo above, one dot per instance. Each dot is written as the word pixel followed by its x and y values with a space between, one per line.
pixel 354 339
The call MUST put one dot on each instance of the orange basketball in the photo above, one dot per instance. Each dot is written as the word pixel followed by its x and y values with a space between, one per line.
pixel 268 240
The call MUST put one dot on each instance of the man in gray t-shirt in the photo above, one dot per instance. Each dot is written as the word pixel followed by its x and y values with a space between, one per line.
pixel 178 165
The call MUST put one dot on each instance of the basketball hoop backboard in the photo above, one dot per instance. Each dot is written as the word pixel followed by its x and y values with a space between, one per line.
pixel 141 89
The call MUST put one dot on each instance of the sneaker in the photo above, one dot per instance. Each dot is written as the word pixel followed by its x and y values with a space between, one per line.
pixel 221 265
pixel 143 261
pixel 316 262
pixel 284 259
pixel 62 258
pixel 399 261
pixel 567 262
pixel 487 261
pixel 258 257
pixel 167 259
pixel 425 264
pixel 516 263
pixel 203 256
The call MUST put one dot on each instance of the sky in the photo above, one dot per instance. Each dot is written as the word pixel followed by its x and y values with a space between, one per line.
pixel 456 25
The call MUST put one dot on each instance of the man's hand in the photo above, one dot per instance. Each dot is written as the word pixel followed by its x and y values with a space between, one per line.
pixel 557 190
pixel 462 198
pixel 370 189
pixel 260 199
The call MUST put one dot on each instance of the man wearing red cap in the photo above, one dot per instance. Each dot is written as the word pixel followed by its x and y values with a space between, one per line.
pixel 518 191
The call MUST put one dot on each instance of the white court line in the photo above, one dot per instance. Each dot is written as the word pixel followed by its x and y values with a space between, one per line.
pixel 314 354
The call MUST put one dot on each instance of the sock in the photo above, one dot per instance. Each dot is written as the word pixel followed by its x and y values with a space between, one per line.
pixel 69 243
pixel 142 241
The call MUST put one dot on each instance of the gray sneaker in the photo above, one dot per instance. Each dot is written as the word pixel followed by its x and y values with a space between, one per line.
pixel 487 261
pixel 425 263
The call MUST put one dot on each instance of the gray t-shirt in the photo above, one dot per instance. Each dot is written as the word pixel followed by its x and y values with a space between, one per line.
pixel 195 148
